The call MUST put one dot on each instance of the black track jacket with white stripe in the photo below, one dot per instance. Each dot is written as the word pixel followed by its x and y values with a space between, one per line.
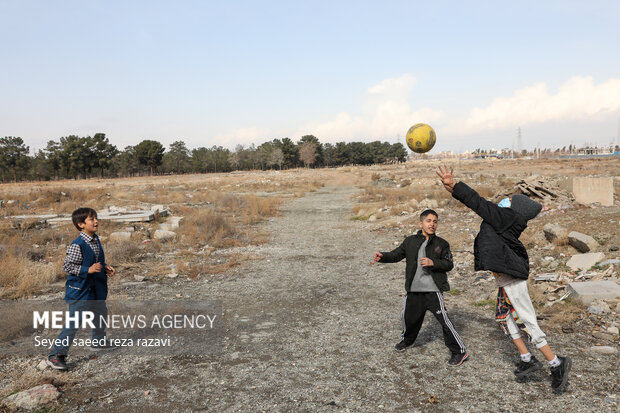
pixel 437 249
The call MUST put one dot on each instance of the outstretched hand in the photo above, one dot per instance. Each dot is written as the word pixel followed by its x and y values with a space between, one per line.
pixel 447 177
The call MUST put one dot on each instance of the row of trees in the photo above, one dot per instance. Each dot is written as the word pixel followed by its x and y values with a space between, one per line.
pixel 83 157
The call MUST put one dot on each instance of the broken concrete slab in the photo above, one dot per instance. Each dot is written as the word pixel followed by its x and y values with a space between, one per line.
pixel 590 190
pixel 32 398
pixel 585 261
pixel 171 223
pixel 546 277
pixel 604 349
pixel 555 233
pixel 120 236
pixel 164 235
pixel 590 291
pixel 582 242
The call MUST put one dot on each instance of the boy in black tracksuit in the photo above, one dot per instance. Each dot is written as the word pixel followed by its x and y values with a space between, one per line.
pixel 428 260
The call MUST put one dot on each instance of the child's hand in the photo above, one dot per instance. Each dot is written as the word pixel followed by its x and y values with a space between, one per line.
pixel 110 271
pixel 426 262
pixel 96 267
pixel 377 257
pixel 447 177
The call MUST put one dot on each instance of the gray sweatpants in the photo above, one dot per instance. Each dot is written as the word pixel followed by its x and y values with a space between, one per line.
pixel 520 299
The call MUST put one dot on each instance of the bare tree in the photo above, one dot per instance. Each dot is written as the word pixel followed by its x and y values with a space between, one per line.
pixel 307 153
pixel 277 157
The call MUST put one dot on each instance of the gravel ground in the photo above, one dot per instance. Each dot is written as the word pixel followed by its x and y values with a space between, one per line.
pixel 311 327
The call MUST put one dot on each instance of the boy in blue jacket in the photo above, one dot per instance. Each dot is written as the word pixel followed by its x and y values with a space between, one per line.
pixel 86 288
pixel 497 249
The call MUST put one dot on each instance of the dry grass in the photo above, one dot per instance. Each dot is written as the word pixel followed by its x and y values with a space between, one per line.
pixel 22 376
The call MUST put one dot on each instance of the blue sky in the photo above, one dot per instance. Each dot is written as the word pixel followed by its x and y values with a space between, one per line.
pixel 242 72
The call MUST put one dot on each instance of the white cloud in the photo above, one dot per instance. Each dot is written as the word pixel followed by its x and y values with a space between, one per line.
pixel 243 136
pixel 385 113
pixel 577 99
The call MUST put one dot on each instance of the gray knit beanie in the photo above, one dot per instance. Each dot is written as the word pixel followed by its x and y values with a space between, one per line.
pixel 523 205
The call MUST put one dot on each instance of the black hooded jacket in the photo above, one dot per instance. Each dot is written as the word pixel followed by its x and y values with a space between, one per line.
pixel 496 247
pixel 437 249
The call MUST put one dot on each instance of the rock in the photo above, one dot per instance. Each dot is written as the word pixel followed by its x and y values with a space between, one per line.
pixel 42 365
pixel 172 275
pixel 157 208
pixel 546 277
pixel 120 236
pixel 585 261
pixel 555 233
pixel 606 262
pixel 604 349
pixel 582 242
pixel 603 336
pixel 372 218
pixel 174 222
pixel 613 330
pixel 164 235
pixel 589 291
pixel 601 308
pixel 32 398
pixel 428 204
pixel 139 277
pixel 385 183
pixel 129 229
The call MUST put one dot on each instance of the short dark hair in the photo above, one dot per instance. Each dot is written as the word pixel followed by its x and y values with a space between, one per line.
pixel 428 212
pixel 79 216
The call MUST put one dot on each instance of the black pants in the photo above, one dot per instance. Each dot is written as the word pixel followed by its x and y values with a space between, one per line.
pixel 414 309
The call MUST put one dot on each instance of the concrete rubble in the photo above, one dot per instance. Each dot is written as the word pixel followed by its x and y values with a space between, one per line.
pixel 582 242
pixel 589 291
pixel 585 261
pixel 544 190
pixel 120 235
pixel 591 190
pixel 32 398
pixel 555 233
pixel 111 214
pixel 164 235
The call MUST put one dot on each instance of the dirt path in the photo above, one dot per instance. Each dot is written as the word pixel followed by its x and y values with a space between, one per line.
pixel 311 327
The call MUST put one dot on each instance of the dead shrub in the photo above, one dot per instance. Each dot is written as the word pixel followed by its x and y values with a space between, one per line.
pixel 258 209
pixel 205 226
pixel 21 277
pixel 122 252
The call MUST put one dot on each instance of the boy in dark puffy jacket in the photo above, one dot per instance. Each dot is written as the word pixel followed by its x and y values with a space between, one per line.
pixel 428 260
pixel 86 288
pixel 497 248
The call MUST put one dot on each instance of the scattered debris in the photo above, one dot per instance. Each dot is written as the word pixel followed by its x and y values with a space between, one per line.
pixel 604 349
pixel 537 187
pixel 589 291
pixel 585 261
pixel 582 242
pixel 32 398
pixel 555 233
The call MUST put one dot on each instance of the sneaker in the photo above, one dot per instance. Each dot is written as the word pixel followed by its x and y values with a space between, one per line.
pixel 57 362
pixel 457 359
pixel 559 375
pixel 103 347
pixel 525 368
pixel 402 346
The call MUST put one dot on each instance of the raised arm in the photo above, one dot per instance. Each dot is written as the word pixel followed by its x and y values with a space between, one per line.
pixel 498 217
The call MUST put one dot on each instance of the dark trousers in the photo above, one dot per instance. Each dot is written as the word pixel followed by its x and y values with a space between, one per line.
pixel 414 309
pixel 77 308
